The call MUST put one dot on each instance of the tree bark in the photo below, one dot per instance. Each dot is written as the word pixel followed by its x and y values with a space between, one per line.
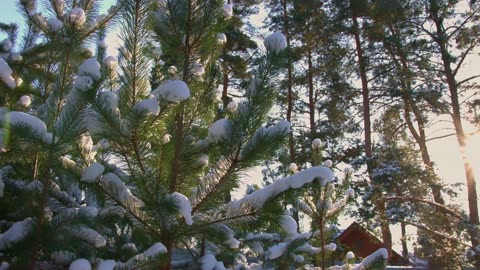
pixel 379 201
pixel 286 30
pixel 311 93
pixel 441 39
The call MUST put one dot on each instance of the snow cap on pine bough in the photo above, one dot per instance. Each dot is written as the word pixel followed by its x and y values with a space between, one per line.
pixel 173 91
pixel 258 198
pixel 6 74
pixel 77 16
pixel 275 42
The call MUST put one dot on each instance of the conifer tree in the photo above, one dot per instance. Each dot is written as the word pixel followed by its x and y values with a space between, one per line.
pixel 44 143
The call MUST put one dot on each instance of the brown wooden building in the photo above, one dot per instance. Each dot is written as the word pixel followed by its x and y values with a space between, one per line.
pixel 363 243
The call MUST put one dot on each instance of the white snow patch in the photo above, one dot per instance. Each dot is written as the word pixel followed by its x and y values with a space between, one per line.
pixel 62 257
pixel 220 266
pixel 198 70
pixel 275 42
pixel 218 130
pixel 110 61
pixel 154 250
pixel 54 24
pixel 92 172
pixel 23 119
pixel 6 44
pixel 82 83
pixel 281 127
pixel 350 255
pixel 227 10
pixel 106 265
pixel 381 253
pixel 80 264
pixel 15 233
pixel 288 224
pixel 293 167
pixel 232 106
pixel 6 74
pixel 185 208
pixel 166 138
pixel 221 38
pixel 298 258
pixel 77 16
pixel 25 100
pixel 327 163
pixel 89 211
pixel 148 106
pixel 173 91
pixel 276 251
pixel 90 67
pixel 109 100
pixel 258 198
pixel 208 262
pixel 91 236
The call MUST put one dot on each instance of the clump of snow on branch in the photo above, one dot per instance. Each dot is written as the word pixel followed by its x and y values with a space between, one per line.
pixel 6 74
pixel 54 24
pixel 92 172
pixel 208 262
pixel 228 10
pixel 106 265
pixel 25 100
pixel 221 38
pixel 381 253
pixel 80 264
pixel 276 251
pixel 122 193
pixel 110 62
pixel 91 236
pixel 218 130
pixel 17 232
pixel 184 206
pixel 6 44
pixel 258 198
pixel 173 91
pixel 62 257
pixel 23 119
pixel 154 250
pixel 288 224
pixel 108 100
pixel 90 67
pixel 232 106
pixel 77 16
pixel 350 255
pixel 316 143
pixel 148 106
pixel 275 42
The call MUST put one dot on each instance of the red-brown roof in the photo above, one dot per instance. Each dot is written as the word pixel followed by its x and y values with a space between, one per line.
pixel 363 243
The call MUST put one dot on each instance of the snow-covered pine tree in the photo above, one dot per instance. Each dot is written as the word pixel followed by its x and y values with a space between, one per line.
pixel 44 218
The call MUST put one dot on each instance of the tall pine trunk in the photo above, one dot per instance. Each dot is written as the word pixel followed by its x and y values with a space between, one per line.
pixel 286 30
pixel 380 204
pixel 442 42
